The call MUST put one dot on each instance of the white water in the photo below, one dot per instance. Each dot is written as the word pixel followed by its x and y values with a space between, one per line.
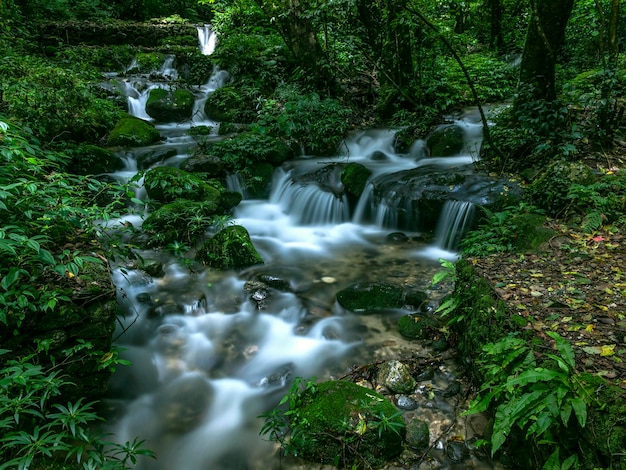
pixel 207 361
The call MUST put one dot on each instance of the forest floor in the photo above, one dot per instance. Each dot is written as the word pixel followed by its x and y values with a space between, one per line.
pixel 574 285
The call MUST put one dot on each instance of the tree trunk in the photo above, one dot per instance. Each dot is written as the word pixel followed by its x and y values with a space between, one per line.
pixel 297 31
pixel 546 33
pixel 397 51
pixel 496 40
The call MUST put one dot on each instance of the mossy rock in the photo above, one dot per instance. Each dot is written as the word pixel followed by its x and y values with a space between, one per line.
pixel 354 177
pixel 230 248
pixel 133 132
pixel 370 297
pixel 147 62
pixel 225 104
pixel 549 190
pixel 417 434
pixel 417 326
pixel 531 232
pixel 93 160
pixel 446 140
pixel 166 184
pixel 182 221
pixel 340 422
pixel 170 106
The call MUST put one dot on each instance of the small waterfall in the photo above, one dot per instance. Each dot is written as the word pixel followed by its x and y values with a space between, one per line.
pixel 455 220
pixel 167 70
pixel 308 204
pixel 207 39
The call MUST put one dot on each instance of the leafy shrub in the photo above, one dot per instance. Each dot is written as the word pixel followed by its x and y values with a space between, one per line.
pixel 599 203
pixel 542 401
pixel 56 102
pixel 315 125
pixel 34 426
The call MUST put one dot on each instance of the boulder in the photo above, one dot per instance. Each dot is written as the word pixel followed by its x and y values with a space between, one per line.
pixel 446 140
pixel 133 132
pixel 344 424
pixel 93 160
pixel 354 177
pixel 170 106
pixel 230 248
pixel 166 184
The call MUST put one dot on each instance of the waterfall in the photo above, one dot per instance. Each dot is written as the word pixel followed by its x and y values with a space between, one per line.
pixel 207 39
pixel 455 220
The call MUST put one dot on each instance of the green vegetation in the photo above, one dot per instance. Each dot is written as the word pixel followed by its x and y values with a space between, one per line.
pixel 336 422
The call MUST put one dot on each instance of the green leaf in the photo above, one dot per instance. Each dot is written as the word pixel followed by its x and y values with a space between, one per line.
pixel 553 462
pixel 564 348
pixel 580 409
pixel 538 374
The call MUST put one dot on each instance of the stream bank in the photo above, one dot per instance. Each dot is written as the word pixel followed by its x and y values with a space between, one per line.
pixel 571 285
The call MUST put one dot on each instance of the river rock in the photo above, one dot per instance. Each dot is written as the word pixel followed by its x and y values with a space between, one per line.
pixel 230 248
pixel 170 223
pixel 92 160
pixel 370 296
pixel 133 132
pixel 457 451
pixel 339 410
pixel 418 326
pixel 354 177
pixel 211 165
pixel 396 377
pixel 170 106
pixel 446 140
pixel 417 434
pixel 406 403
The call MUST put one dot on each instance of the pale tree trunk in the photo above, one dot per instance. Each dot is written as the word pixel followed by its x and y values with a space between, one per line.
pixel 546 33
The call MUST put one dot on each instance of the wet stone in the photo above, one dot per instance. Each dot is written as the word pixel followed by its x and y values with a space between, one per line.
pixel 417 434
pixel 397 237
pixel 396 377
pixel 428 374
pixel 456 451
pixel 406 403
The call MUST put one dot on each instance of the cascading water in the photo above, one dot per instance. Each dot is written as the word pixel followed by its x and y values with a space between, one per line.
pixel 211 352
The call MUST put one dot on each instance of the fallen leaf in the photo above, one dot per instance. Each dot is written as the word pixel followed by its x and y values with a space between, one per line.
pixel 608 350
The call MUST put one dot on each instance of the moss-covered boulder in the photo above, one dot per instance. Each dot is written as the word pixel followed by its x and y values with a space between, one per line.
pixel 133 132
pixel 354 177
pixel 211 165
pixel 339 422
pixel 93 160
pixel 230 248
pixel 168 106
pixel 446 140
pixel 225 104
pixel 549 190
pixel 166 184
pixel 258 181
pixel 242 150
pixel 180 221
pixel 416 326
pixel 417 434
pixel 370 297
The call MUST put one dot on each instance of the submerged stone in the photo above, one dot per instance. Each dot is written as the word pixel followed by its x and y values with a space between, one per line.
pixel 337 413
pixel 417 326
pixel 370 296
pixel 396 377
pixel 417 434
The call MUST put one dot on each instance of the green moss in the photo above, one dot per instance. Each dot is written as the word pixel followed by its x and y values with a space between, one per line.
pixel 92 160
pixel 230 248
pixel 133 132
pixel 372 296
pixel 354 177
pixel 182 220
pixel 226 104
pixel 166 184
pixel 415 326
pixel 341 422
pixel 168 106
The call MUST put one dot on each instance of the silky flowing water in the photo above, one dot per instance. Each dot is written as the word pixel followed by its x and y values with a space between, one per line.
pixel 209 355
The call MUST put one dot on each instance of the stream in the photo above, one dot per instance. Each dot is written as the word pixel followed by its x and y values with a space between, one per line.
pixel 210 354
